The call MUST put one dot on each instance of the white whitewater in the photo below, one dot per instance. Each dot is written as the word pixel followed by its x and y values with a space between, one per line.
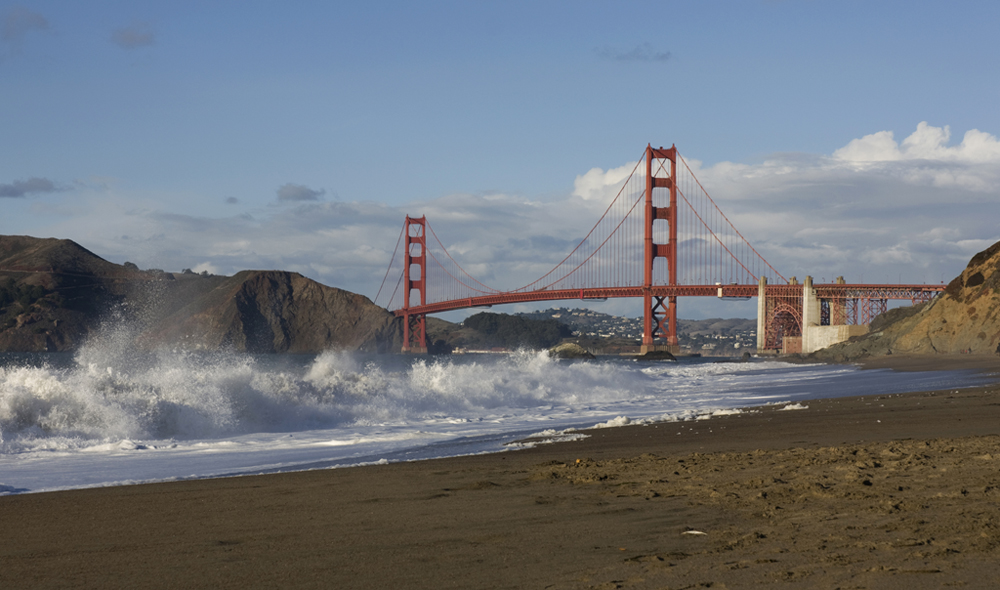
pixel 111 416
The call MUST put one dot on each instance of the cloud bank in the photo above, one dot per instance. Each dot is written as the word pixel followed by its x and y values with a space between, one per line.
pixel 877 210
pixel 926 143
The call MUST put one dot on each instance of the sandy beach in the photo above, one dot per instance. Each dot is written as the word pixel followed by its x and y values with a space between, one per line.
pixel 896 491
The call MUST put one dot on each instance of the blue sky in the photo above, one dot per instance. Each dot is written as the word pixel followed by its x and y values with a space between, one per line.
pixel 233 135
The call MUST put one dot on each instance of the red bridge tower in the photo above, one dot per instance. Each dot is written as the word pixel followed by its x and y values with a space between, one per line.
pixel 660 313
pixel 415 262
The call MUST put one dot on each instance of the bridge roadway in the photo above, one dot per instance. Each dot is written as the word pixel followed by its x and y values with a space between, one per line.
pixel 914 293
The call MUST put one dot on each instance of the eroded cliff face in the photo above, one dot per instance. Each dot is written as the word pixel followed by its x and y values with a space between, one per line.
pixel 963 319
pixel 276 311
pixel 55 295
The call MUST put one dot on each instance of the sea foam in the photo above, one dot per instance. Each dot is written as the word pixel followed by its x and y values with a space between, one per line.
pixel 102 398
pixel 110 414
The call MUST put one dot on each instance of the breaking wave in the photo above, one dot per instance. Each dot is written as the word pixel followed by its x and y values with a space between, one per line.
pixel 106 395
pixel 112 393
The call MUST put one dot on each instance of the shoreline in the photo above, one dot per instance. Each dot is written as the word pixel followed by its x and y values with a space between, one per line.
pixel 983 363
pixel 123 471
pixel 945 362
pixel 867 492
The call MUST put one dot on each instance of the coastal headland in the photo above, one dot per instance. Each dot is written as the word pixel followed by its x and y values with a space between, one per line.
pixel 897 491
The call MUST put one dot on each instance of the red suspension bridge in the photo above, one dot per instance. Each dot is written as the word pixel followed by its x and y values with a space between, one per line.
pixel 660 238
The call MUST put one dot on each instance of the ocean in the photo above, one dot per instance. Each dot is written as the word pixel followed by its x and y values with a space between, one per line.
pixel 111 415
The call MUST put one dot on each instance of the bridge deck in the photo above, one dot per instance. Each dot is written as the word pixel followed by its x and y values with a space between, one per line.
pixel 823 291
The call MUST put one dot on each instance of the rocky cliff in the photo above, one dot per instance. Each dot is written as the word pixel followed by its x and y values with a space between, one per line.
pixel 54 294
pixel 275 311
pixel 963 319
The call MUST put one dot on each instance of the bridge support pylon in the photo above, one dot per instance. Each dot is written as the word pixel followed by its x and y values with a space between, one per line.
pixel 415 279
pixel 660 313
pixel 762 315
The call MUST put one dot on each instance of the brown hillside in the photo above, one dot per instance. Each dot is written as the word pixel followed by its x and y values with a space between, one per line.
pixel 275 311
pixel 49 255
pixel 54 294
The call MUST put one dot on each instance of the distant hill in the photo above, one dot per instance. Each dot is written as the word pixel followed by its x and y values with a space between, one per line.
pixel 716 326
pixel 510 331
pixel 487 330
pixel 963 319
pixel 54 294
pixel 276 311
pixel 715 336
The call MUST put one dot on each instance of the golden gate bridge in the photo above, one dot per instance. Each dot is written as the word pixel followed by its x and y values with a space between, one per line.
pixel 662 237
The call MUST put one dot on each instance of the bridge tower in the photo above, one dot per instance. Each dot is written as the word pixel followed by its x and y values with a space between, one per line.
pixel 415 263
pixel 660 313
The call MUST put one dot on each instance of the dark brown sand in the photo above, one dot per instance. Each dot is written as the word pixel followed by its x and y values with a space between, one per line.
pixel 898 491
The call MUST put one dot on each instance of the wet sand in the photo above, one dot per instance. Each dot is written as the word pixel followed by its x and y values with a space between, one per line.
pixel 898 491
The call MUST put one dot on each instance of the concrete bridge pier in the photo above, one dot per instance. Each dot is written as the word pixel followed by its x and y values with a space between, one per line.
pixel 815 334
pixel 761 315
pixel 816 329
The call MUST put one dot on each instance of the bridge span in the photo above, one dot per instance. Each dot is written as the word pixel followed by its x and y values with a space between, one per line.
pixel 661 238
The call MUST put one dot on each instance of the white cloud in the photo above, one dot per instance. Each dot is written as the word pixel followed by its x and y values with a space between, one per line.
pixel 877 147
pixel 925 157
pixel 600 185
pixel 922 160
pixel 926 143
pixel 884 210
pixel 206 267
